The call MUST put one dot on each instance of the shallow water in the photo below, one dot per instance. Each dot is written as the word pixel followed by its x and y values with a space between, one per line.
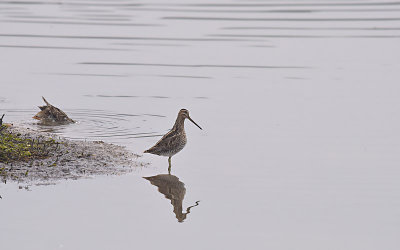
pixel 299 102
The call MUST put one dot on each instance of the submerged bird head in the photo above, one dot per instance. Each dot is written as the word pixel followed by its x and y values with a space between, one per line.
pixel 184 113
pixel 50 114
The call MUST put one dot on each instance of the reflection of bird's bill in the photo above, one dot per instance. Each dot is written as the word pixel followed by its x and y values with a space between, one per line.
pixel 194 123
pixel 195 205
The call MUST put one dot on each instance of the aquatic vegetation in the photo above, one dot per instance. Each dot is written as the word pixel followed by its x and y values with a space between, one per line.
pixel 14 147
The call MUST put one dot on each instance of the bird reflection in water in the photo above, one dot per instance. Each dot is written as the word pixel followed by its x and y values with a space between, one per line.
pixel 174 190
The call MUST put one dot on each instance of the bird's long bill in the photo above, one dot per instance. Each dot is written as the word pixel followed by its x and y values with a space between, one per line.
pixel 194 123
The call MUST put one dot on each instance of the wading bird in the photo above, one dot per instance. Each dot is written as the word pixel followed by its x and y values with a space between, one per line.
pixel 175 140
pixel 49 114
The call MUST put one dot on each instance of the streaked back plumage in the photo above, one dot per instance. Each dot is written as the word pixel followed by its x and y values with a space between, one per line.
pixel 175 140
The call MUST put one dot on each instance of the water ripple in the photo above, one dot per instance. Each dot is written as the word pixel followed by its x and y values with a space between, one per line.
pixel 123 38
pixel 92 124
pixel 197 65
pixel 250 19
pixel 56 47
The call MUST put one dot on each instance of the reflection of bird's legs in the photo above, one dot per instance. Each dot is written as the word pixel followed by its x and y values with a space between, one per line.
pixel 169 165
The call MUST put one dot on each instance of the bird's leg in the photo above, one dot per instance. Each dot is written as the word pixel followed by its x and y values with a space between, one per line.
pixel 169 165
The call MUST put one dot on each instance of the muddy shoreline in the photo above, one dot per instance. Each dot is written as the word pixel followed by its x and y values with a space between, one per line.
pixel 68 159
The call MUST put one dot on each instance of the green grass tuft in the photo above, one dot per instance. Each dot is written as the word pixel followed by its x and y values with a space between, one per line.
pixel 14 147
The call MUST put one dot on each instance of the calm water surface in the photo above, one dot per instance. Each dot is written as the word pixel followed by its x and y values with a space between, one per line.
pixel 299 102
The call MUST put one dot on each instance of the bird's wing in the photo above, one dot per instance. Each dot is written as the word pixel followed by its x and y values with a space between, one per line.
pixel 165 142
pixel 167 135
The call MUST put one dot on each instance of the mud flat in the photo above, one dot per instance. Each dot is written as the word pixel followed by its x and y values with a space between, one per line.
pixel 48 158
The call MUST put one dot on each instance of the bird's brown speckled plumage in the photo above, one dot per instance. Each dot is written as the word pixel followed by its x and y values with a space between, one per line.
pixel 175 140
pixel 50 114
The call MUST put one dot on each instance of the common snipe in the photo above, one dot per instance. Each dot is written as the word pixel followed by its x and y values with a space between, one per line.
pixel 175 140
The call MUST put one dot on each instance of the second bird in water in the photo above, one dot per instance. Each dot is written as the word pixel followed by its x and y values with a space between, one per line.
pixel 175 140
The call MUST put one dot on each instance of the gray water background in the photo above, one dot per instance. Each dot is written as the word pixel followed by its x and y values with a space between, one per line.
pixel 299 102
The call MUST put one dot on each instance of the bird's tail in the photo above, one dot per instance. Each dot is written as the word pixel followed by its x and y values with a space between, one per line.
pixel 47 103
